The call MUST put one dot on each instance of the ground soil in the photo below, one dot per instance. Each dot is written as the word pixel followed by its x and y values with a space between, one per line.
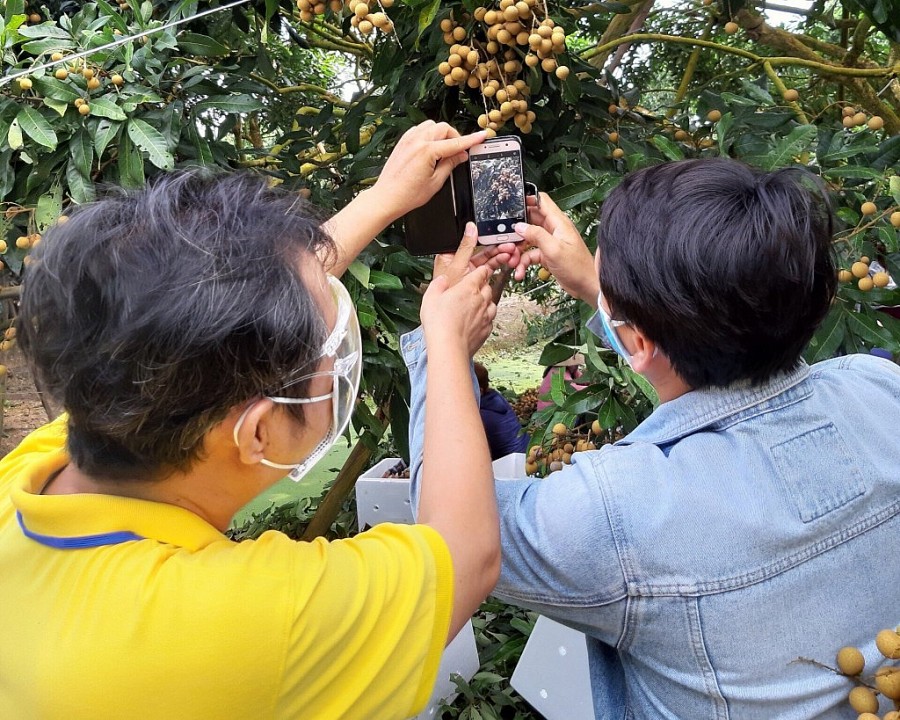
pixel 23 410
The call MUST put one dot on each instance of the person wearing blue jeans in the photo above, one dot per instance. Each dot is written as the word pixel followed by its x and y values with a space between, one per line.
pixel 745 531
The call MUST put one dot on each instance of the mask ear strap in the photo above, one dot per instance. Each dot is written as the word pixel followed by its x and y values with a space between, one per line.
pixel 239 423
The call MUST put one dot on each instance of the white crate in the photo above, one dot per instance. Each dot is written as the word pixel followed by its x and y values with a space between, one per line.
pixel 381 500
pixel 510 466
pixel 553 674
pixel 460 658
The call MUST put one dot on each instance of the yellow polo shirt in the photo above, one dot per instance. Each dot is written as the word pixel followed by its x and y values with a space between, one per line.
pixel 186 624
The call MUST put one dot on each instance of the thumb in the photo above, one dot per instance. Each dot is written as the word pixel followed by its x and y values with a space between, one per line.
pixel 466 248
pixel 534 235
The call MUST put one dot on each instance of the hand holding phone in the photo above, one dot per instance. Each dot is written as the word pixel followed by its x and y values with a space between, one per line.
pixel 498 189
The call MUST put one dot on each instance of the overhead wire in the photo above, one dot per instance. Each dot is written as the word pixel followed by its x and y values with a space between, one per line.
pixel 120 41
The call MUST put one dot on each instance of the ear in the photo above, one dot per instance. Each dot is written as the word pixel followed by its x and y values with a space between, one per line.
pixel 251 430
pixel 643 352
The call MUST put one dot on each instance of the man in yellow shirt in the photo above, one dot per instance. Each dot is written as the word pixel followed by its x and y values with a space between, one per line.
pixel 199 341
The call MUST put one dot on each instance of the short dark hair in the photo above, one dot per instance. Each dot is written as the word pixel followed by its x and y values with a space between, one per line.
pixel 150 314
pixel 728 269
pixel 481 375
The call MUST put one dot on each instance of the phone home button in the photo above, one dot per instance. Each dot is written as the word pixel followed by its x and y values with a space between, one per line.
pixel 502 238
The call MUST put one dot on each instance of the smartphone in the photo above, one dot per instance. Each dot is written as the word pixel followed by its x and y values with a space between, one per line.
pixel 498 189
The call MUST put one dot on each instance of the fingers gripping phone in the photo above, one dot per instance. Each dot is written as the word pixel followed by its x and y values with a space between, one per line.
pixel 498 189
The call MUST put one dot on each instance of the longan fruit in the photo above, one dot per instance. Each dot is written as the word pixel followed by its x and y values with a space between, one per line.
pixel 613 137
pixel 556 465
pixel 859 118
pixel 859 269
pixel 459 74
pixel 9 334
pixel 85 109
pixel 87 73
pixel 875 123
pixel 444 68
pixel 3 371
pixel 560 429
pixel 446 25
pixel 531 468
pixel 865 284
pixel 569 448
pixel 881 279
pixel 868 208
pixel 847 122
pixel 56 57
pixel 62 219
pixel 850 660
pixel 844 276
pixel 495 116
pixel 892 715
pixel 480 13
pixel 567 458
pixel 865 259
pixel 459 34
pixel 483 121
pixel 714 115
pixel 93 83
pixel 618 154
pixel 379 19
pixel 454 61
pixel 6 345
pixel 848 111
pixel 791 95
pixel 681 135
pixel 562 72
pixel 888 644
pixel 23 242
pixel 25 83
pixel 34 18
pixel 588 445
pixel 895 219
pixel 531 60
pixel 613 109
pixel 887 680
pixel 731 28
pixel 78 102
pixel 61 74
pixel 862 699
pixel 867 716
pixel 490 132
pixel 596 428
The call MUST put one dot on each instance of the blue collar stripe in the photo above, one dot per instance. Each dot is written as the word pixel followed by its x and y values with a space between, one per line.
pixel 77 543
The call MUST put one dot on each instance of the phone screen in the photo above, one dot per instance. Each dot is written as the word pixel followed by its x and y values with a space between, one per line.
pixel 498 191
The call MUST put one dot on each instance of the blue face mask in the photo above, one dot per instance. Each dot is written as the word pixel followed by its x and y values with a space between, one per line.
pixel 604 327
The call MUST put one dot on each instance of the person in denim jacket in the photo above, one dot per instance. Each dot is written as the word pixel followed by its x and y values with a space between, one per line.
pixel 750 526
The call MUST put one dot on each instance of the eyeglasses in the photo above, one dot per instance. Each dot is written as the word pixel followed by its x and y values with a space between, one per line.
pixel 344 344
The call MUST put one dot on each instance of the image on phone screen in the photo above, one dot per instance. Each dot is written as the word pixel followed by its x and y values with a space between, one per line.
pixel 498 191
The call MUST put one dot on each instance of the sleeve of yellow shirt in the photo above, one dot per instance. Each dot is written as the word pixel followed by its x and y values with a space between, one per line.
pixel 47 438
pixel 370 626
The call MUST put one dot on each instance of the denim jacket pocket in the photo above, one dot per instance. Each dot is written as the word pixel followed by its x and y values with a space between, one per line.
pixel 816 481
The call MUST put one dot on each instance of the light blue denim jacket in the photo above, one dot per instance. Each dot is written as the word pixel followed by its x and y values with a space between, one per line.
pixel 734 536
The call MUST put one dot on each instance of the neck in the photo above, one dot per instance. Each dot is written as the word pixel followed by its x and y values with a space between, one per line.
pixel 200 491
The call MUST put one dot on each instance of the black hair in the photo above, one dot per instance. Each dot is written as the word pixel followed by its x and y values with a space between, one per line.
pixel 728 269
pixel 149 315
pixel 482 376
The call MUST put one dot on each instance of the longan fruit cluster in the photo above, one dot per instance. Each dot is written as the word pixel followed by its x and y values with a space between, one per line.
pixel 365 15
pixel 863 698
pixel 862 274
pixel 525 405
pixel 89 79
pixel 491 53
pixel 9 340
pixel 564 443
pixel 856 118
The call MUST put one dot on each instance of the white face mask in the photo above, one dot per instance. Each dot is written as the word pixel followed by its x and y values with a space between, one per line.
pixel 345 346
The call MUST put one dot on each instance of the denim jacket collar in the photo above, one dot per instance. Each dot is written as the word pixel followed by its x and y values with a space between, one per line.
pixel 700 409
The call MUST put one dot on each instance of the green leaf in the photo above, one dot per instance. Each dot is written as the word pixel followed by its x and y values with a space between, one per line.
pixel 201 45
pixel 106 108
pixel 828 337
pixel 853 172
pixel 46 29
pixel 230 104
pixel 131 163
pixel 427 14
pixel 39 47
pixel 573 194
pixel 799 139
pixel 894 186
pixel 644 385
pixel 14 135
pixel 105 131
pixel 384 281
pixel 50 87
pixel 81 189
pixel 57 106
pixel 360 272
pixel 81 150
pixel 151 141
pixel 558 387
pixel 669 149
pixel 36 127
pixel 867 329
pixel 48 208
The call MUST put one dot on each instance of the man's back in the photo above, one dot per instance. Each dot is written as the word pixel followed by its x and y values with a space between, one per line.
pixel 734 537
